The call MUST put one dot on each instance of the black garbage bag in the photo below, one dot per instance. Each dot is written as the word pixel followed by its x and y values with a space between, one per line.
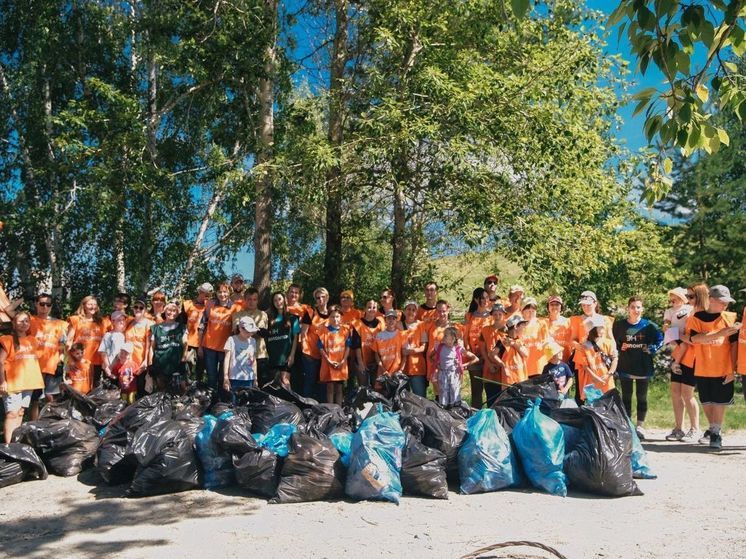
pixel 513 402
pixel 10 473
pixel 312 471
pixel 461 410
pixel 70 404
pixel 423 470
pixel 266 410
pixel 198 399
pixel 66 446
pixel 166 460
pixel 325 419
pixel 601 461
pixel 279 390
pixel 26 456
pixel 441 430
pixel 233 434
pixel 114 459
pixel 391 385
pixel 366 395
pixel 257 471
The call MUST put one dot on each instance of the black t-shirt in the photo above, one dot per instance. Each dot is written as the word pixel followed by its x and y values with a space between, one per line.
pixel 632 341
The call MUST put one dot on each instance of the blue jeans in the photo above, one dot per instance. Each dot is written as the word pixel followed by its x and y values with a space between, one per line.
pixel 237 385
pixel 214 368
pixel 311 386
pixel 418 385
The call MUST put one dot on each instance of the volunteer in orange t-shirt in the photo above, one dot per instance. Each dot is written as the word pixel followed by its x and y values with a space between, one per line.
pixel 558 325
pixel 388 303
pixel 347 307
pixel 490 286
pixel 596 358
pixel 88 327
pixel 515 300
pixel 20 374
pixel 389 345
pixel 78 369
pixel 192 315
pixel 489 338
pixel 714 335
pixel 511 352
pixel 535 337
pixel 741 364
pixel 215 329
pixel 137 333
pixel 50 336
pixel 414 350
pixel 334 345
pixel 477 317
pixel 312 319
pixel 363 336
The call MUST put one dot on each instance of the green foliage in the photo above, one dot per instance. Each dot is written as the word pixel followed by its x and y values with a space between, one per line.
pixel 674 35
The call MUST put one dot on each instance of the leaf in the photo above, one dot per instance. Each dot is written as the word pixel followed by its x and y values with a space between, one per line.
pixel 617 15
pixel 646 93
pixel 667 165
pixel 723 136
pixel 520 7
pixel 682 62
pixel 640 107
pixel 702 92
pixel 646 18
pixel 731 67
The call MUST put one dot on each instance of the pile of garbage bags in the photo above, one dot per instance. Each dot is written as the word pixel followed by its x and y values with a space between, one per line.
pixel 383 444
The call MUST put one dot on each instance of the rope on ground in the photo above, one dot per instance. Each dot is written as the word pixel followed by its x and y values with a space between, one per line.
pixel 478 552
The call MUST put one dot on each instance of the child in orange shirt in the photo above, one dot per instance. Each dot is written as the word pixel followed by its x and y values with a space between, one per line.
pixel 78 373
pixel 334 345
pixel 597 359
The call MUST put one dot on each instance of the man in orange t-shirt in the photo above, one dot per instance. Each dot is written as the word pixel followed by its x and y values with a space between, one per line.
pixel 427 312
pixel 193 309
pixel 50 334
pixel 714 335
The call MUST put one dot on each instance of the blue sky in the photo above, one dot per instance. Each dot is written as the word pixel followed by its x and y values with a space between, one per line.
pixel 630 133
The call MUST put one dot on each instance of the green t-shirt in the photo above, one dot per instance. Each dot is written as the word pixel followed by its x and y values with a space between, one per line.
pixel 168 347
pixel 279 340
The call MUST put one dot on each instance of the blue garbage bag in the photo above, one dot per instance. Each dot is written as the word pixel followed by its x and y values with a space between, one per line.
pixel 277 438
pixel 640 466
pixel 485 460
pixel 342 441
pixel 591 393
pixel 376 459
pixel 217 464
pixel 541 446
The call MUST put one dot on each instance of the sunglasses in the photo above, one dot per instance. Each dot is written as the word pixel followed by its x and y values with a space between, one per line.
pixel 490 282
pixel 689 296
pixel 44 304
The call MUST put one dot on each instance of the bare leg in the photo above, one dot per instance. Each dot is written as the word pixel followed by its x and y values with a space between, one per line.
pixel 13 419
pixel 678 405
pixel 692 406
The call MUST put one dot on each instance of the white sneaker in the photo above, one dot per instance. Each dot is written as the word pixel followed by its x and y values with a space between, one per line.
pixel 691 435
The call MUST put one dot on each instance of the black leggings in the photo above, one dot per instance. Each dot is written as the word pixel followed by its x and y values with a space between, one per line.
pixel 641 392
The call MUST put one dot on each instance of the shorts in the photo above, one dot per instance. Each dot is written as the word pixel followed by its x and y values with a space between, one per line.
pixel 17 400
pixel 713 391
pixel 686 376
pixel 52 384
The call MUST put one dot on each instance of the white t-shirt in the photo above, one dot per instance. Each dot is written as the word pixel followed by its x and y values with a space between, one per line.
pixel 677 318
pixel 111 343
pixel 242 360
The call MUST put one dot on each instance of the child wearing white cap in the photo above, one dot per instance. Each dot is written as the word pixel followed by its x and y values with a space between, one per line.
pixel 239 365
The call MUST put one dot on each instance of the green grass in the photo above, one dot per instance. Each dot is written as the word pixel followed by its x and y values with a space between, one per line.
pixel 660 412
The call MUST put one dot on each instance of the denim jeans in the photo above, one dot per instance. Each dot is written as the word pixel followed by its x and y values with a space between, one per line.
pixel 418 384
pixel 237 385
pixel 311 386
pixel 214 367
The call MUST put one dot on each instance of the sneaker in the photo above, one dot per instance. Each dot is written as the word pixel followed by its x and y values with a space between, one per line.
pixel 676 435
pixel 640 432
pixel 705 438
pixel 716 441
pixel 691 435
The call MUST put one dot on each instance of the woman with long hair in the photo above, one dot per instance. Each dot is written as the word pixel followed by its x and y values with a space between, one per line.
pixel 215 329
pixel 281 337
pixel 20 373
pixel 313 318
pixel 88 327
pixel 477 317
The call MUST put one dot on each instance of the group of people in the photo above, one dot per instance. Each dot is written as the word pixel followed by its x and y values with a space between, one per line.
pixel 221 336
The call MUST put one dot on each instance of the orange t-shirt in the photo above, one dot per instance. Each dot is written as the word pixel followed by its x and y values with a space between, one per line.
pixel 298 309
pixel 741 367
pixel 193 311
pixel 588 356
pixel 50 336
pixel 22 370
pixel 560 332
pixel 310 341
pixel 351 316
pixel 433 336
pixel 488 339
pixel 712 359
pixel 515 367
pixel 388 346
pixel 89 333
pixel 79 374
pixel 535 337
pixel 219 326
pixel 139 334
pixel 579 332
pixel 335 343
pixel 426 314
pixel 367 336
pixel 472 329
pixel 415 364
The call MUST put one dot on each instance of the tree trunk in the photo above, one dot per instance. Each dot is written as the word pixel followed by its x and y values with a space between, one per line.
pixel 398 243
pixel 265 153
pixel 334 177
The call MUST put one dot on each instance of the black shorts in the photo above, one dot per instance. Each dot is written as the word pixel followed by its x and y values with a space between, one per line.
pixel 713 391
pixel 686 376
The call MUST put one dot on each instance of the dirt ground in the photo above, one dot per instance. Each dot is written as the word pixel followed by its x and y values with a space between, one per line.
pixel 695 509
